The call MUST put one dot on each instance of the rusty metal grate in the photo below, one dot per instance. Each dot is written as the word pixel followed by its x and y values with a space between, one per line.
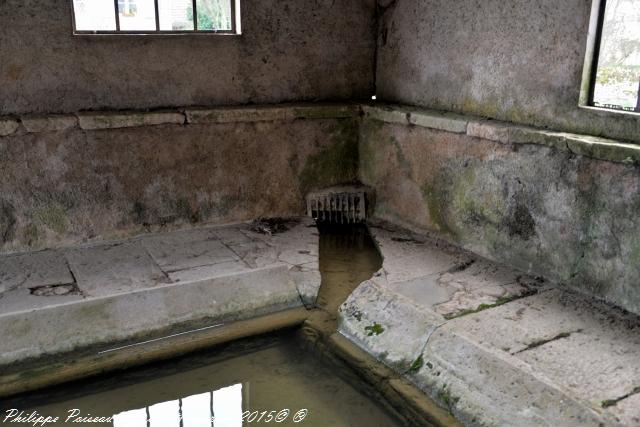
pixel 338 205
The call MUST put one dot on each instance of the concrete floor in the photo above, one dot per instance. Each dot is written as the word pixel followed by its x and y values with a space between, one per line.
pixel 492 345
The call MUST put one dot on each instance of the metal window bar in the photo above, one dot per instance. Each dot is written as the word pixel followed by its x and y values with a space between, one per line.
pixel 602 7
pixel 596 51
pixel 235 24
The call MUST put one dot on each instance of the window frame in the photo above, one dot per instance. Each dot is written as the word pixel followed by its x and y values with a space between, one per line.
pixel 235 24
pixel 592 57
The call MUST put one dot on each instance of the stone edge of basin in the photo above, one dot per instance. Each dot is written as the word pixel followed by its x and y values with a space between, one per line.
pixel 412 341
pixel 36 334
pixel 69 367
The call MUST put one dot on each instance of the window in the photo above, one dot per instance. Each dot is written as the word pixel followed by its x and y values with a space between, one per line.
pixel 615 77
pixel 156 16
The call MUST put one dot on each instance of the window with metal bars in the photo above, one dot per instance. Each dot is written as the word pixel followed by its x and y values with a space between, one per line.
pixel 156 16
pixel 615 74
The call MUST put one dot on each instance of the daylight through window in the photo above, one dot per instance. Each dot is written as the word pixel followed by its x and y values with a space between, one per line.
pixel 156 16
pixel 617 77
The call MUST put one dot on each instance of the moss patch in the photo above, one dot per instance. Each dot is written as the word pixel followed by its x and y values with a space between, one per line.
pixel 437 206
pixel 500 301
pixel 446 397
pixel 375 329
pixel 336 163
pixel 53 217
pixel 416 365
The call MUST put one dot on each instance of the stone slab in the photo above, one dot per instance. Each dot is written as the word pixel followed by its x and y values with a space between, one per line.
pixel 110 269
pixel 438 120
pixel 8 126
pixel 385 324
pixel 209 271
pixel 123 316
pixel 488 129
pixel 626 411
pixel 386 114
pixel 133 287
pixel 524 352
pixel 409 256
pixel 32 270
pixel 94 121
pixel 482 387
pixel 183 250
pixel 238 114
pixel 36 124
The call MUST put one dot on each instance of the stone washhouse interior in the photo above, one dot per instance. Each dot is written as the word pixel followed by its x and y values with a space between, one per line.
pixel 370 213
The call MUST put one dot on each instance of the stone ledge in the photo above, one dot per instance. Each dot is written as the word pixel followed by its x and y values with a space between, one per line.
pixel 110 120
pixel 507 133
pixel 270 113
pixel 8 126
pixel 187 115
pixel 36 124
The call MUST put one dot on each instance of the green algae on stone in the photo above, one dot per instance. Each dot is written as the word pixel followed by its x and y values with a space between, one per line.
pixel 31 235
pixel 437 207
pixel 446 397
pixel 416 365
pixel 336 163
pixel 375 329
pixel 53 217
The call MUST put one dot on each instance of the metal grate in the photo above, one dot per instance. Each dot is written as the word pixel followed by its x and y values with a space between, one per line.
pixel 340 205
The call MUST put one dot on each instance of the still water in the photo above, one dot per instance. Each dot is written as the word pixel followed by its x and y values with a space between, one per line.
pixel 348 257
pixel 260 381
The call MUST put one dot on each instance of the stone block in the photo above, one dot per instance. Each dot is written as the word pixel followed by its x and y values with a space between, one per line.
pixel 386 114
pixel 441 121
pixel 36 124
pixel 93 121
pixel 8 126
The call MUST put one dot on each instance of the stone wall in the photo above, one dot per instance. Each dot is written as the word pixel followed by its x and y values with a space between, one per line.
pixel 554 204
pixel 290 50
pixel 518 61
pixel 69 179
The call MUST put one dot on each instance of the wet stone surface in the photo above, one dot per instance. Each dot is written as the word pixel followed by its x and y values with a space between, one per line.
pixel 153 281
pixel 470 333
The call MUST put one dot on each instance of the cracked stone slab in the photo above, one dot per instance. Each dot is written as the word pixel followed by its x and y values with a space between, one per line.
pixel 209 271
pixel 117 317
pixel 593 364
pixel 509 353
pixel 121 290
pixel 445 279
pixel 298 248
pixel 408 256
pixel 108 269
pixel 22 299
pixel 481 386
pixel 626 411
pixel 515 326
pixel 385 324
pixel 181 250
pixel 34 269
pixel 256 253
pixel 308 281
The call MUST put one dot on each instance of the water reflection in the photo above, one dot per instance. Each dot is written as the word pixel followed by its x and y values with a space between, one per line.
pixel 219 408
